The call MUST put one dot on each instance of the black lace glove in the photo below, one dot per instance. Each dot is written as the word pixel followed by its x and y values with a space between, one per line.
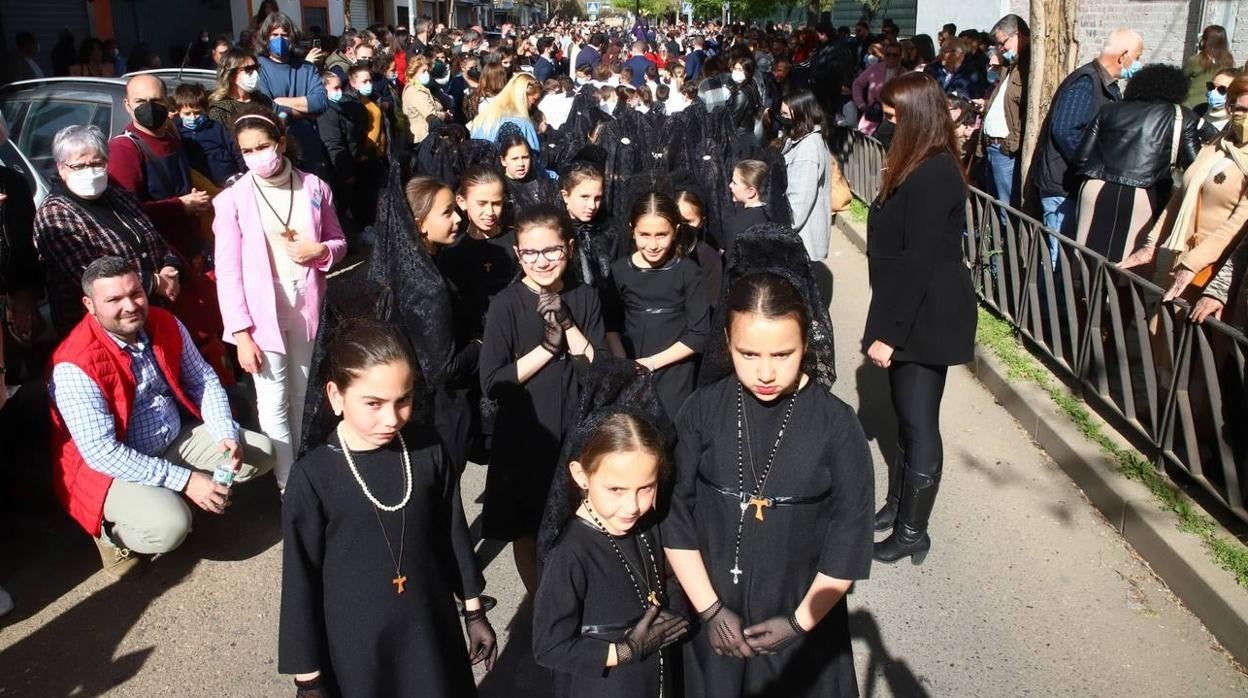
pixel 552 333
pixel 564 317
pixel 773 634
pixel 657 629
pixel 312 688
pixel 723 632
pixel 482 643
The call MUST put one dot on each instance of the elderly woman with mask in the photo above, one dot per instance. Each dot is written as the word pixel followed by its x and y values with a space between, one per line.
pixel 86 217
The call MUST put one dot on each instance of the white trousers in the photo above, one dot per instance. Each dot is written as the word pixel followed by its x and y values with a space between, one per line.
pixel 282 382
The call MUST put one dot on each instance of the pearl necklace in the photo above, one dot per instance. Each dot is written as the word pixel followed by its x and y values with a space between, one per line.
pixel 407 474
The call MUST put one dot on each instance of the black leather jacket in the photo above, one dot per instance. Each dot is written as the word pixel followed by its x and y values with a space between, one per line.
pixel 1129 143
pixel 746 105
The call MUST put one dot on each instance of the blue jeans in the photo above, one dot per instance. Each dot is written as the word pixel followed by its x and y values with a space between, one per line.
pixel 1003 170
pixel 1057 211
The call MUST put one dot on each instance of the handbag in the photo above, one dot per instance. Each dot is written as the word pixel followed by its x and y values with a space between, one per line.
pixel 841 195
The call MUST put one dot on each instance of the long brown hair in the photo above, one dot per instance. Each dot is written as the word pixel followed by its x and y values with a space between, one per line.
pixel 924 128
pixel 1215 51
pixel 421 194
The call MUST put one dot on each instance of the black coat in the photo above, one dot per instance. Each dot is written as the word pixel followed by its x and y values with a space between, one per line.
pixel 922 301
pixel 1130 143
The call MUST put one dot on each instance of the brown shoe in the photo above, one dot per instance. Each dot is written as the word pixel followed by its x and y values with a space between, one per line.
pixel 120 563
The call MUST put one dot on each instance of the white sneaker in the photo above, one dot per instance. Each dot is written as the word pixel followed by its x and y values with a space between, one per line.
pixel 6 602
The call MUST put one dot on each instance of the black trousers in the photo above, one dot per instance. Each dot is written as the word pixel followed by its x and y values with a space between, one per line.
pixel 916 391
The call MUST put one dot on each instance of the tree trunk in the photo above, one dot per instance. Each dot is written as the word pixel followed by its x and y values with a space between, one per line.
pixel 1054 53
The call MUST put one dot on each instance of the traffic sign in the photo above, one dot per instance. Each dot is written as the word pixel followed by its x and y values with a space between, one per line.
pixel 686 8
pixel 592 8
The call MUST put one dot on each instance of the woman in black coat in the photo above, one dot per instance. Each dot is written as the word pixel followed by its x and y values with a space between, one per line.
pixel 922 314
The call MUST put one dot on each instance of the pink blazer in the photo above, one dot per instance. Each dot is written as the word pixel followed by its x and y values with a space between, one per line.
pixel 244 273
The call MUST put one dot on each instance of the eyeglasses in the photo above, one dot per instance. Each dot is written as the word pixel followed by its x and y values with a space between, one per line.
pixel 80 166
pixel 1210 87
pixel 550 254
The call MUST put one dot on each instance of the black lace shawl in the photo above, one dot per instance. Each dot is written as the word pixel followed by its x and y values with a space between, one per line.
pixel 438 155
pixel 400 285
pixel 608 386
pixel 773 248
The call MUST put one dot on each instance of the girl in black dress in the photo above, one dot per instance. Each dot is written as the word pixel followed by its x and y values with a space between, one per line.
pixel 922 315
pixel 770 521
pixel 660 300
pixel 532 331
pixel 528 184
pixel 692 240
pixel 581 187
pixel 598 616
pixel 371 521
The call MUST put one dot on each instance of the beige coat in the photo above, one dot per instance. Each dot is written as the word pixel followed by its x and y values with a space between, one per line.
pixel 1221 213
pixel 418 105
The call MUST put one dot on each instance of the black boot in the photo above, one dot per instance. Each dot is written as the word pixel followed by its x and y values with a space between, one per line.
pixel 909 537
pixel 887 514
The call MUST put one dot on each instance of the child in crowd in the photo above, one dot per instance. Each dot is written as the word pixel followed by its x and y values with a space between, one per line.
pixel 581 187
pixel 276 238
pixel 533 330
pixel 369 169
pixel 746 188
pixel 598 617
pixel 659 301
pixel 692 241
pixel 208 146
pixel 342 135
pixel 376 545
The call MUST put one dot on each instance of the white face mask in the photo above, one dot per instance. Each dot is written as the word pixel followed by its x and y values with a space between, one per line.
pixel 443 80
pixel 88 183
pixel 249 81
pixel 738 76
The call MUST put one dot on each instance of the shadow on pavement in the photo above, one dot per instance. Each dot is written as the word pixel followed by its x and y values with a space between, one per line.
pixel 516 674
pixel 1000 475
pixel 875 410
pixel 73 654
pixel 251 525
pixel 898 677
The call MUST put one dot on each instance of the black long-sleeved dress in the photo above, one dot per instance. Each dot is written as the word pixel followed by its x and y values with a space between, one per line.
pixel 659 307
pixel 340 613
pixel 824 457
pixel 533 417
pixel 586 602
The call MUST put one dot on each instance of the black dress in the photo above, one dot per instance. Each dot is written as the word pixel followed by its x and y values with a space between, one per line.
pixel 533 417
pixel 922 300
pixel 586 602
pixel 740 222
pixel 824 458
pixel 660 307
pixel 340 613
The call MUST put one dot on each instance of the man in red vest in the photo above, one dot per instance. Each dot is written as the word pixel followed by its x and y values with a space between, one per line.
pixel 139 421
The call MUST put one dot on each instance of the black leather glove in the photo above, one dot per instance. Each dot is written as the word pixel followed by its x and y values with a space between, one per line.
pixel 482 643
pixel 723 632
pixel 773 634
pixel 657 629
pixel 312 688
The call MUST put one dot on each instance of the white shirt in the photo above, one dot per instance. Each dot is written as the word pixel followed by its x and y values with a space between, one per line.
pixel 995 125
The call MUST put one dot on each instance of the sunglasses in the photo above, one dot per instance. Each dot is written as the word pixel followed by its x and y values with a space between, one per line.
pixel 1210 87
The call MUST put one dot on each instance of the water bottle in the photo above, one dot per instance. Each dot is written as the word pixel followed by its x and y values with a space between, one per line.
pixel 223 474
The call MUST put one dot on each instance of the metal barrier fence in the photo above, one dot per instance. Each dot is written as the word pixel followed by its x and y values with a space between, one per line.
pixel 1181 388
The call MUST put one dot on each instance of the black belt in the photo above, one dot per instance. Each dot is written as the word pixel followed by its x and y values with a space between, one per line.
pixel 771 501
pixel 994 141
pixel 606 631
pixel 657 311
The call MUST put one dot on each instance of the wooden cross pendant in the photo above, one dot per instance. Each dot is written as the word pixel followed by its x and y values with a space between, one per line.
pixel 653 598
pixel 759 503
pixel 288 234
pixel 399 583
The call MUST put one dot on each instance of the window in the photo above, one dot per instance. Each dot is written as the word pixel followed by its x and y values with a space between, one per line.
pixel 45 118
pixel 316 17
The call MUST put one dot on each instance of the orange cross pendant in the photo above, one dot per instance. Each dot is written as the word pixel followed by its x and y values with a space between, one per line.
pixel 399 583
pixel 759 503
pixel 653 598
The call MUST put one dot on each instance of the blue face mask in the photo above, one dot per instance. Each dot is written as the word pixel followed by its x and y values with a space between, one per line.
pixel 194 122
pixel 1217 100
pixel 366 89
pixel 1009 56
pixel 335 96
pixel 279 46
pixel 1130 71
pixel 993 76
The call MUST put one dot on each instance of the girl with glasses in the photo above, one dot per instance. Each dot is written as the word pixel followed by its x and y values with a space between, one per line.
pixel 534 330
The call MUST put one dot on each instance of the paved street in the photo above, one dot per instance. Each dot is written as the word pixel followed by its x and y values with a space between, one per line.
pixel 1027 591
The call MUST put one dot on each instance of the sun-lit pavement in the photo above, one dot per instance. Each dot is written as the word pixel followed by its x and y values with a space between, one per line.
pixel 1026 591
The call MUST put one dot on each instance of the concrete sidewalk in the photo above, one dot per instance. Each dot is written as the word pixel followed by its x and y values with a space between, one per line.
pixel 1027 589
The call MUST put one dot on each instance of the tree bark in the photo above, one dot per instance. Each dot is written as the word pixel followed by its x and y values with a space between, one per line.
pixel 1054 53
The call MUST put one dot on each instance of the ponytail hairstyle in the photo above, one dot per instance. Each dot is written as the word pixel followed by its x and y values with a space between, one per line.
pixel 421 194
pixel 770 296
pixel 657 203
pixel 544 216
pixel 363 343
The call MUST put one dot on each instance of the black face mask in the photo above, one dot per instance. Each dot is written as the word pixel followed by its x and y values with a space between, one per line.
pixel 151 115
pixel 784 122
pixel 474 73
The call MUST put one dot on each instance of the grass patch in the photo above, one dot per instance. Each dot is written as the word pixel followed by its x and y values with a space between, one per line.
pixel 998 336
pixel 858 210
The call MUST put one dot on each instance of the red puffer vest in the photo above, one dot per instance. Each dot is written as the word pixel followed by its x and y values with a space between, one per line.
pixel 80 488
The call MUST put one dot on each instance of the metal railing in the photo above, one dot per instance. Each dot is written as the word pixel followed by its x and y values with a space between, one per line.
pixel 1180 388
